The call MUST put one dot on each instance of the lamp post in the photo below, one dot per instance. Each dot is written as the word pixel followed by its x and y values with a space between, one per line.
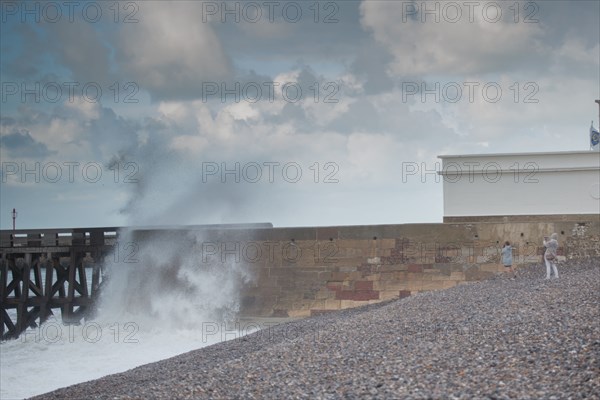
pixel 14 217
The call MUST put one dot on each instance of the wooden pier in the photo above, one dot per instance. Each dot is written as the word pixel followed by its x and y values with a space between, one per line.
pixel 47 269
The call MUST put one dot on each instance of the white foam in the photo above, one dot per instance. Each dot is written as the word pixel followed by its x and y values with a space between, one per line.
pixel 57 355
pixel 167 303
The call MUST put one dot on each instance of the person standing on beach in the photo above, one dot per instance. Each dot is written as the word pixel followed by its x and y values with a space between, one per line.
pixel 507 258
pixel 550 254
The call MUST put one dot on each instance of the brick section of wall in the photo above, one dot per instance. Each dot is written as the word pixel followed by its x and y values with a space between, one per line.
pixel 363 285
pixel 415 268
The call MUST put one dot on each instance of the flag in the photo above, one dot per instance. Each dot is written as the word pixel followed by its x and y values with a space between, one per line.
pixel 594 138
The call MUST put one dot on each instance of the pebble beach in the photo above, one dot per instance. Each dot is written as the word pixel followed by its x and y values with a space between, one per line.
pixel 528 338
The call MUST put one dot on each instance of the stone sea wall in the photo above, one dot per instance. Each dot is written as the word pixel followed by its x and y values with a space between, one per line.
pixel 297 272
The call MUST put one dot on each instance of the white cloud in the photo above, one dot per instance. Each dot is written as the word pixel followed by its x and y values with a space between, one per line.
pixel 86 109
pixel 66 137
pixel 189 144
pixel 243 111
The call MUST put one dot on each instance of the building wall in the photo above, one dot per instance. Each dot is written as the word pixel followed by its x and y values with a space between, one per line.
pixel 565 183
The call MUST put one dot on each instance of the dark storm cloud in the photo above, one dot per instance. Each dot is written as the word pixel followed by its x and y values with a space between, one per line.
pixel 83 49
pixel 333 32
pixel 26 49
pixel 21 144
pixel 170 52
pixel 575 18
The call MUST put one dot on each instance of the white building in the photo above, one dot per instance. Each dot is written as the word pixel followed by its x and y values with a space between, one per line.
pixel 521 185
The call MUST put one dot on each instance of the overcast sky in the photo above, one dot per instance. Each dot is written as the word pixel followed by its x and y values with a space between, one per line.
pixel 296 113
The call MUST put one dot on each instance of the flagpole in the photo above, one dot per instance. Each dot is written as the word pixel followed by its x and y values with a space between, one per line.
pixel 598 101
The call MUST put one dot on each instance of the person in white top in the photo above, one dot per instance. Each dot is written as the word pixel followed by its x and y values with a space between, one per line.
pixel 550 255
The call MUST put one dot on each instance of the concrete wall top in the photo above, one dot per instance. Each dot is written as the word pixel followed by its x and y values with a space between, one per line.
pixel 540 162
pixel 464 231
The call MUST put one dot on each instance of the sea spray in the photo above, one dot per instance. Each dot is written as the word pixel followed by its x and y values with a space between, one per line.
pixel 168 284
pixel 159 298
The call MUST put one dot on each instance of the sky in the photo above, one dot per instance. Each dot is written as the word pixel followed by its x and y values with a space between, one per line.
pixel 297 113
